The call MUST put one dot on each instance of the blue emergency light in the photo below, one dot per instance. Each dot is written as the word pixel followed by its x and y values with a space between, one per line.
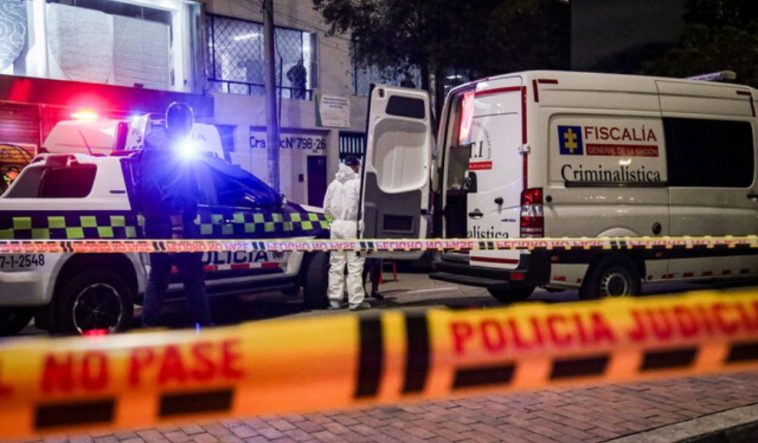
pixel 187 149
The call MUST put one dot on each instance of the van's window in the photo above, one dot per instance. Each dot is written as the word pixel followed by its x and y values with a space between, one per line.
pixel 406 107
pixel 709 153
pixel 55 182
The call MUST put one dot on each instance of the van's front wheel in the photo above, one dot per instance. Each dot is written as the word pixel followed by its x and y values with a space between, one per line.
pixel 615 276
pixel 512 294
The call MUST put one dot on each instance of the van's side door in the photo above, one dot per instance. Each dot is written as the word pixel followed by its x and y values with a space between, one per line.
pixel 711 139
pixel 396 166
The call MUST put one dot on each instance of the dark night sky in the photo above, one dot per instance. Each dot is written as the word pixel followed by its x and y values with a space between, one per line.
pixel 602 28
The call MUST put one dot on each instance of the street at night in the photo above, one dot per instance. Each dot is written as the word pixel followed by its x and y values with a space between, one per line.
pixel 377 221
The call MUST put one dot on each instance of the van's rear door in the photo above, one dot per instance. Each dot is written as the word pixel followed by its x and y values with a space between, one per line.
pixel 493 125
pixel 395 188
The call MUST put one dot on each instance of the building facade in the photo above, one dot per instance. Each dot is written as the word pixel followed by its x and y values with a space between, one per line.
pixel 125 57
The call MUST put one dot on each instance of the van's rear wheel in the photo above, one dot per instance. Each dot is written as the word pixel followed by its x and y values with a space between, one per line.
pixel 96 299
pixel 518 293
pixel 614 276
pixel 316 281
pixel 13 320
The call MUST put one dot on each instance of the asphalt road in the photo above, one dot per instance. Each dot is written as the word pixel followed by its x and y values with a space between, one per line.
pixel 410 291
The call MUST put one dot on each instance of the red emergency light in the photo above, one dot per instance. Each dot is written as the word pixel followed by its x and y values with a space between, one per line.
pixel 84 114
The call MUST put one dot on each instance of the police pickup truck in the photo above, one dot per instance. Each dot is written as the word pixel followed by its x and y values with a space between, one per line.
pixel 79 196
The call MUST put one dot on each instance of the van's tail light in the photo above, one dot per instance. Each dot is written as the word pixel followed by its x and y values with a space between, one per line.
pixel 532 214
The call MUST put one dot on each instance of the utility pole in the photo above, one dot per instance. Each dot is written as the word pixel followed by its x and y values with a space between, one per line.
pixel 272 123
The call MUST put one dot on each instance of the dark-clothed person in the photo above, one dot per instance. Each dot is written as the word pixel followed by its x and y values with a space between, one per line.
pixel 297 76
pixel 373 270
pixel 169 194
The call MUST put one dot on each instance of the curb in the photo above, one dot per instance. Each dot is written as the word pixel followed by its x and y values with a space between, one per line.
pixel 732 426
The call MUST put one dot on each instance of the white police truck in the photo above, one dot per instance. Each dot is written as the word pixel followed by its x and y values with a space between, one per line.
pixel 79 196
pixel 568 154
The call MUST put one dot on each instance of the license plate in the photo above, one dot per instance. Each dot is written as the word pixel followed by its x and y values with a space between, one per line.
pixel 17 262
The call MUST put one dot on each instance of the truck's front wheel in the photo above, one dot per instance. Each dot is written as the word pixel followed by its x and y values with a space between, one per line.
pixel 13 320
pixel 96 299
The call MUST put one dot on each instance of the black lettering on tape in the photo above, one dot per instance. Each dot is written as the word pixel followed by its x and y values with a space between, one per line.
pixel 483 376
pixel 370 358
pixel 417 357
pixel 676 358
pixel 196 402
pixel 72 414
pixel 578 367
pixel 740 352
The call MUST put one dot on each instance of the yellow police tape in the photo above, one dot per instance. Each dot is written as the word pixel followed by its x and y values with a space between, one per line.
pixel 285 245
pixel 344 361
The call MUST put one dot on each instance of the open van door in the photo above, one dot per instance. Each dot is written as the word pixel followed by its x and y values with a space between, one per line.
pixel 396 166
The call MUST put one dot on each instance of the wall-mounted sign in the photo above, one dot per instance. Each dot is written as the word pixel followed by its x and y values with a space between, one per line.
pixel 332 111
pixel 296 141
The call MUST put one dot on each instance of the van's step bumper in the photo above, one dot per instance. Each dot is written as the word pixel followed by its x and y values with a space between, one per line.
pixel 532 270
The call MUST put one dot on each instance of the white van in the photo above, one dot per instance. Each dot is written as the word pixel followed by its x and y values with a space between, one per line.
pixel 566 154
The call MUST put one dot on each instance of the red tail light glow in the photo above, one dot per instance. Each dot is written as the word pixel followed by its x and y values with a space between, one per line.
pixel 532 213
pixel 467 117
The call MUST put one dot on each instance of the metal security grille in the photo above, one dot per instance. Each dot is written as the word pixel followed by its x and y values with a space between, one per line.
pixel 237 58
pixel 352 143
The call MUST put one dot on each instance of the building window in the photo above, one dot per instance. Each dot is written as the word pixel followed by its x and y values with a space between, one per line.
pixel 139 43
pixel 238 63
pixel 709 153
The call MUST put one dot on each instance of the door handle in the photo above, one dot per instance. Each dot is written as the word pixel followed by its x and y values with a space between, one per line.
pixel 657 228
pixel 499 201
pixel 752 196
pixel 476 213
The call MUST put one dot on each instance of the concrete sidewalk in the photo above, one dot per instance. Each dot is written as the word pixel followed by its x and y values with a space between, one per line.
pixel 660 411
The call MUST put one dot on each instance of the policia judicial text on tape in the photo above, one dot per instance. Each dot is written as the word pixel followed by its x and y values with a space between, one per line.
pixel 53 385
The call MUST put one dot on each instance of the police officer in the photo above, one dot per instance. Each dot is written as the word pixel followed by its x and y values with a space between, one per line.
pixel 169 195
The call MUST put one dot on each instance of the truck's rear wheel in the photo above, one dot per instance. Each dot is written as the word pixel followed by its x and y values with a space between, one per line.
pixel 518 293
pixel 316 281
pixel 613 276
pixel 96 299
pixel 13 320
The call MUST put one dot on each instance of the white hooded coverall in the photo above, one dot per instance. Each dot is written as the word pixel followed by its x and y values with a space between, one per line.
pixel 341 203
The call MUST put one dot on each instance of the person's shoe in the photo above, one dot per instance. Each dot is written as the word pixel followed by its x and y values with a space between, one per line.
pixel 360 306
pixel 377 295
pixel 335 304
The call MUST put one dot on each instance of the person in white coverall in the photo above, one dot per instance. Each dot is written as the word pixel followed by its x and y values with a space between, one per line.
pixel 341 203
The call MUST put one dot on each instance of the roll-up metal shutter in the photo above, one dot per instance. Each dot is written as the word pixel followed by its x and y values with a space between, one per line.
pixel 19 124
